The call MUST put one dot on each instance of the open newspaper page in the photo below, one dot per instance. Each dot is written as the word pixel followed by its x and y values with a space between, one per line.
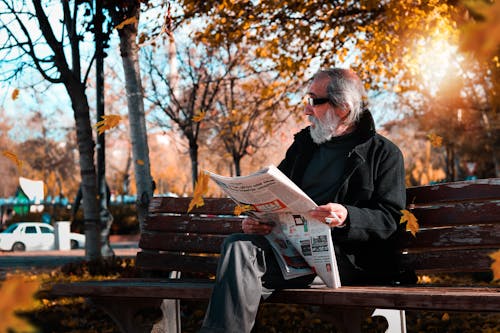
pixel 296 236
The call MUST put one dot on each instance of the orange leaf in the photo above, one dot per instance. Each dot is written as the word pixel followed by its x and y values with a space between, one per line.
pixel 15 94
pixel 239 209
pixel 16 293
pixel 13 157
pixel 200 189
pixel 199 116
pixel 140 162
pixel 411 221
pixel 495 266
pixel 130 20
pixel 108 122
pixel 436 140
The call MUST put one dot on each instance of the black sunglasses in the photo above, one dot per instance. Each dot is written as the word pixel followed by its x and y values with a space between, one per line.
pixel 317 101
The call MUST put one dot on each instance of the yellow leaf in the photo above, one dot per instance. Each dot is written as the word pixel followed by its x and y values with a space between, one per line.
pixel 445 317
pixel 15 94
pixel 130 20
pixel 239 209
pixel 436 140
pixel 13 157
pixel 200 189
pixel 199 116
pixel 411 221
pixel 482 36
pixel 140 162
pixel 495 266
pixel 16 293
pixel 108 122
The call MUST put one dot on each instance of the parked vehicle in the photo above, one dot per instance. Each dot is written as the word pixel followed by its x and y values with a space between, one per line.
pixel 33 236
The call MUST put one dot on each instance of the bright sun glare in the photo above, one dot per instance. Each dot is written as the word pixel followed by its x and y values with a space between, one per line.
pixel 435 59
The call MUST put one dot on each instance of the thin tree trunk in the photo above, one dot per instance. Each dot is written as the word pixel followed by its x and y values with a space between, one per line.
pixel 237 165
pixel 193 154
pixel 85 141
pixel 138 134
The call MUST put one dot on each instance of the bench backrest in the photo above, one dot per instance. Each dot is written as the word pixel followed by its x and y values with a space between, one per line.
pixel 459 228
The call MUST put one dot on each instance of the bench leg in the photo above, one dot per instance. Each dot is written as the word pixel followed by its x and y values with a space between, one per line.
pixel 171 320
pixel 130 315
pixel 395 318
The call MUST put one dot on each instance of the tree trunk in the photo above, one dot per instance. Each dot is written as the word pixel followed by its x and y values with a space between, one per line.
pixel 90 206
pixel 193 154
pixel 237 165
pixel 138 135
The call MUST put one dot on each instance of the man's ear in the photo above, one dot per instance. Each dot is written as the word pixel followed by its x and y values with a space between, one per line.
pixel 342 113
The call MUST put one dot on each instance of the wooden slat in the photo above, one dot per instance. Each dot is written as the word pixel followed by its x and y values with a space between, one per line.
pixel 414 298
pixel 186 223
pixel 214 206
pixel 451 261
pixel 196 243
pixel 474 236
pixel 475 190
pixel 176 262
pixel 457 214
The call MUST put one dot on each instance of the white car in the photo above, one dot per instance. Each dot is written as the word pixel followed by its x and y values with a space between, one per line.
pixel 32 236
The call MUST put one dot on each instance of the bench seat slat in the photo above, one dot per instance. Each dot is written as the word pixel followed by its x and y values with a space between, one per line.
pixel 474 190
pixel 202 225
pixel 176 262
pixel 414 297
pixel 197 243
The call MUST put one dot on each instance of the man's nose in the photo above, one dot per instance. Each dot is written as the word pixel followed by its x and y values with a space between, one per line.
pixel 308 110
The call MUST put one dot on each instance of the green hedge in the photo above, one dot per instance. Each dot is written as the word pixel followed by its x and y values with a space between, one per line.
pixel 125 218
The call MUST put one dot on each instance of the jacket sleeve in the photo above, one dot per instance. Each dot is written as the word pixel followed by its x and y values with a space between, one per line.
pixel 377 218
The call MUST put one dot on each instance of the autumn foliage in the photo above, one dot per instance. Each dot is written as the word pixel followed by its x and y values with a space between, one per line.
pixel 17 293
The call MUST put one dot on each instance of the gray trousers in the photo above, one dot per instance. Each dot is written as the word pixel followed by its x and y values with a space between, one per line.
pixel 247 272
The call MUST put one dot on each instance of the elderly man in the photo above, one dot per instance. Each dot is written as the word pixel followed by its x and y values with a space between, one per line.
pixel 350 171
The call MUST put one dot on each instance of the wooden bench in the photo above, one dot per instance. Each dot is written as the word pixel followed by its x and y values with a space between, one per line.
pixel 459 228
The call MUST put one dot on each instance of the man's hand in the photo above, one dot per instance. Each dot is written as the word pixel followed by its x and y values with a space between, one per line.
pixel 332 214
pixel 253 226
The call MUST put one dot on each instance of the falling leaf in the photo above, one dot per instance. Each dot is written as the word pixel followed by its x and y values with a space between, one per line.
pixel 445 317
pixel 130 20
pixel 108 122
pixel 239 209
pixel 436 140
pixel 140 162
pixel 13 157
pixel 15 94
pixel 495 266
pixel 411 221
pixel 482 36
pixel 200 189
pixel 16 293
pixel 199 116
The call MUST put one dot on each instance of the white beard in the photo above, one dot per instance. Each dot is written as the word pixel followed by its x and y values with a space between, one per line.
pixel 324 129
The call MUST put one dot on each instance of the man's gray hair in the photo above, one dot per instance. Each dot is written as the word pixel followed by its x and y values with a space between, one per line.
pixel 345 90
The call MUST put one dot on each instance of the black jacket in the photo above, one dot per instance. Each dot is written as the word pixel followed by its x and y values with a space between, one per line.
pixel 373 191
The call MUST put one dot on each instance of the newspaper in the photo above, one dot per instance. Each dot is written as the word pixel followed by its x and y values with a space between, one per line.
pixel 302 244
